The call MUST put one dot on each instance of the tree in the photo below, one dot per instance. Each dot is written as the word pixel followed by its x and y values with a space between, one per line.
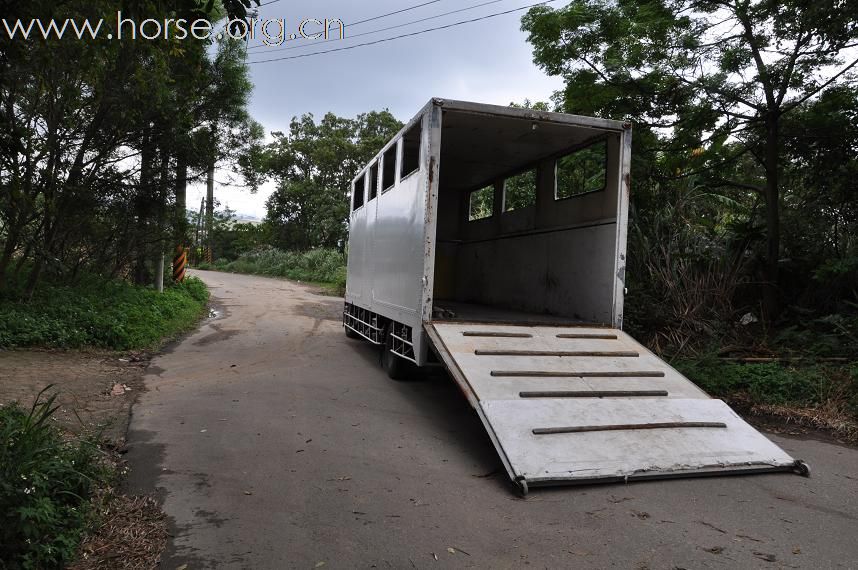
pixel 314 165
pixel 719 76
pixel 98 136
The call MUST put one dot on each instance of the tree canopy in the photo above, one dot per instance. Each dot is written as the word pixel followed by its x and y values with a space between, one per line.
pixel 313 165
pixel 716 78
pixel 100 137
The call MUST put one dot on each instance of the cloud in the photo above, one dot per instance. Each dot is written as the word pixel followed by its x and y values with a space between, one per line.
pixel 488 62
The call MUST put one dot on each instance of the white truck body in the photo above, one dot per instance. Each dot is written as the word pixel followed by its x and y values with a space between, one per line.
pixel 495 238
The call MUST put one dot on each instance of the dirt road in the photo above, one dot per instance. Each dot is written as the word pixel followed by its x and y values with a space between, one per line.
pixel 275 442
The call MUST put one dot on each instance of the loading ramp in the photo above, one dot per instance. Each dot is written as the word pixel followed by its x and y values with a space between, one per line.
pixel 572 404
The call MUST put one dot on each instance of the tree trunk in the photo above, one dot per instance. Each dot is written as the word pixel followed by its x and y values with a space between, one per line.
pixel 210 214
pixel 771 296
pixel 180 225
pixel 10 245
pixel 143 207
pixel 6 259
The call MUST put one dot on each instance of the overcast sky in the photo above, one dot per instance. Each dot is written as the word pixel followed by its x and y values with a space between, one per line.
pixel 488 61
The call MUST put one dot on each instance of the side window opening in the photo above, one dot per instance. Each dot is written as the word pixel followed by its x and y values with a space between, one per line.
pixel 359 192
pixel 519 191
pixel 389 168
pixel 481 203
pixel 582 172
pixel 411 150
pixel 372 180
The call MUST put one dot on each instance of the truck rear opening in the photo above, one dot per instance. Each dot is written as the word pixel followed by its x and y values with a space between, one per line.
pixel 531 218
pixel 494 239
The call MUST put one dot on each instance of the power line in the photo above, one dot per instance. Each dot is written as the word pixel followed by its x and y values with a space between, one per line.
pixel 394 13
pixel 453 25
pixel 474 7
pixel 368 19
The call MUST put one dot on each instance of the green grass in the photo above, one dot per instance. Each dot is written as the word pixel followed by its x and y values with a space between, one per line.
pixel 324 267
pixel 97 312
pixel 805 386
pixel 46 487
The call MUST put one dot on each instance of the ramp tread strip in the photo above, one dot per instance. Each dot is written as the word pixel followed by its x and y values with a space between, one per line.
pixel 497 334
pixel 588 336
pixel 617 353
pixel 549 374
pixel 594 394
pixel 628 427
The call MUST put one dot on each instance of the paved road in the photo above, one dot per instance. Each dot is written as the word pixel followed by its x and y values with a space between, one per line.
pixel 275 442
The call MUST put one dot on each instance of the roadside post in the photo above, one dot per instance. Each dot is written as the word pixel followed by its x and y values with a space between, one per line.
pixel 159 273
pixel 180 262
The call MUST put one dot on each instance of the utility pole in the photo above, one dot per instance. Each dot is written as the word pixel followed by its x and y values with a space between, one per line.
pixel 210 212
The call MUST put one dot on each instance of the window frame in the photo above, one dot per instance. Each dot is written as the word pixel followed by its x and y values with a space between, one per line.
pixel 535 168
pixel 493 187
pixel 392 150
pixel 557 160
pixel 418 126
pixel 355 182
pixel 372 180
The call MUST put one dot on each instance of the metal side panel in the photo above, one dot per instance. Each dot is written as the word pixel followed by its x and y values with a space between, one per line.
pixel 577 404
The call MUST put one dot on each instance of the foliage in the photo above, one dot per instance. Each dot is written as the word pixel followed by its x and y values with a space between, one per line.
pixel 744 167
pixel 325 266
pixel 481 203
pixel 229 238
pixel 685 267
pixel 99 139
pixel 834 335
pixel 45 487
pixel 314 164
pixel 719 80
pixel 773 383
pixel 102 313
pixel 582 171
pixel 519 191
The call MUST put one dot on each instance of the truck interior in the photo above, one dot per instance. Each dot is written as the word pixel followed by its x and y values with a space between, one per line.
pixel 527 220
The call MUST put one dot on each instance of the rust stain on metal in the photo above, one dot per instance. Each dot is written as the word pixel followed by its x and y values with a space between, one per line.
pixel 577 374
pixel 594 394
pixel 626 427
pixel 599 353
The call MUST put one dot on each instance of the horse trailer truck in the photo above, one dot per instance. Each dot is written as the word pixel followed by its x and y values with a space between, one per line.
pixel 492 240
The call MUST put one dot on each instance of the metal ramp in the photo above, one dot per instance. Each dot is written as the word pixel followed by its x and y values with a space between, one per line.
pixel 569 404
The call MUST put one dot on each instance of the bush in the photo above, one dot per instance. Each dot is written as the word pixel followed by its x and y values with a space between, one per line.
pixel 326 266
pixel 774 383
pixel 45 488
pixel 101 313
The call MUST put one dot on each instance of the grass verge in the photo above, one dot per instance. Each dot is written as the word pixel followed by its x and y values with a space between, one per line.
pixel 98 312
pixel 323 267
pixel 814 395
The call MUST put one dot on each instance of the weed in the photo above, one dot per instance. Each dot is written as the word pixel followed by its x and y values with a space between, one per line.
pixel 324 266
pixel 101 313
pixel 45 487
pixel 772 383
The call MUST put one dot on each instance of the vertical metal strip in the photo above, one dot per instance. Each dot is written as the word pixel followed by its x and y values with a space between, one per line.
pixel 432 120
pixel 622 224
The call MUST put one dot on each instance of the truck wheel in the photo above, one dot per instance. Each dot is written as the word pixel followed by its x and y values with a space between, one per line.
pixel 352 334
pixel 397 368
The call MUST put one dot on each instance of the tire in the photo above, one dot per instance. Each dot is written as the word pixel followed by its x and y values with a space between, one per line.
pixel 352 334
pixel 397 368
